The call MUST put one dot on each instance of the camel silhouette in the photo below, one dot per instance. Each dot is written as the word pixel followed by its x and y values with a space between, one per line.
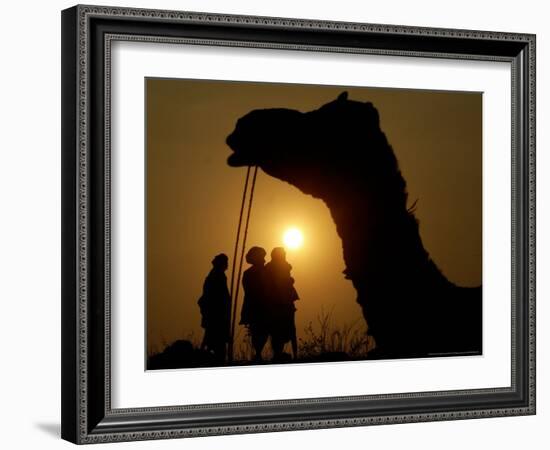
pixel 339 154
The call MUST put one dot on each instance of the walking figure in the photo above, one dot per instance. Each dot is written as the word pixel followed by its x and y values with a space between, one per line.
pixel 254 312
pixel 282 296
pixel 215 307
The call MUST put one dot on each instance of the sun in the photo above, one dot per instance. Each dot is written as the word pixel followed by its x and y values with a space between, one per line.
pixel 293 238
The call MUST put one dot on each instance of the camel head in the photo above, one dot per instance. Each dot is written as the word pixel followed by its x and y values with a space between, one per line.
pixel 334 147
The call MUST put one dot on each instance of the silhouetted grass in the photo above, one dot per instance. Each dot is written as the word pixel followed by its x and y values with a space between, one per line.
pixel 324 341
pixel 347 341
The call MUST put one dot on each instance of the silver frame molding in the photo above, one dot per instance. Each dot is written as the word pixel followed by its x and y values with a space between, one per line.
pixel 87 35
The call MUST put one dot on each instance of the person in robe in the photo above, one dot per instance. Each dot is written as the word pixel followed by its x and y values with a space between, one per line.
pixel 282 296
pixel 215 308
pixel 254 312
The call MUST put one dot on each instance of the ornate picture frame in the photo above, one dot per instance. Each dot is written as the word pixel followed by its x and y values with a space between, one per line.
pixel 88 415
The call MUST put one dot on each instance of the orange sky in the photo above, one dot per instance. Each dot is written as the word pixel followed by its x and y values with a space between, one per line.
pixel 193 196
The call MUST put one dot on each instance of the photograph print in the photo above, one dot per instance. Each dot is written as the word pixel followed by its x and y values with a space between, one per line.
pixel 290 223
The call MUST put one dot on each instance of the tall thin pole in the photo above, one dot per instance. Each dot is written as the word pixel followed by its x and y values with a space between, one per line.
pixel 235 251
pixel 236 298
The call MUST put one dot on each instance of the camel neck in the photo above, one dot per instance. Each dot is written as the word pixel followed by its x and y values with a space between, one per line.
pixel 382 240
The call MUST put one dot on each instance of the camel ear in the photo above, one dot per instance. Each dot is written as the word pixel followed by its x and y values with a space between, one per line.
pixel 343 96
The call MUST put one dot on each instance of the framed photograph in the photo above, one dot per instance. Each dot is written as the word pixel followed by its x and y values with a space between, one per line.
pixel 283 224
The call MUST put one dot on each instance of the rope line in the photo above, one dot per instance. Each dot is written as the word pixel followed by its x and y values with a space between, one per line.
pixel 239 232
pixel 235 251
pixel 243 248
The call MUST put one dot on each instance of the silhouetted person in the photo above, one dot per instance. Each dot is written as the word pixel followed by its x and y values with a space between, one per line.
pixel 215 306
pixel 255 313
pixel 282 296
